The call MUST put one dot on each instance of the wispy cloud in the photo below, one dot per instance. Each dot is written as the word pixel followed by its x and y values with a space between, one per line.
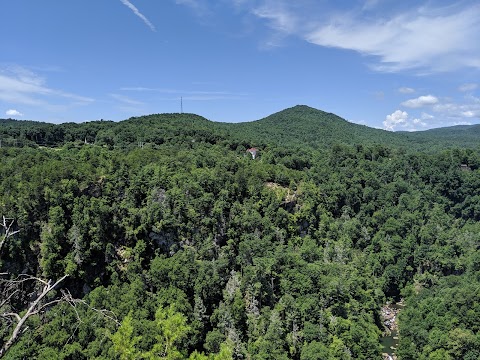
pixel 468 87
pixel 370 4
pixel 126 100
pixel 192 95
pixel 406 90
pixel 128 105
pixel 211 97
pixel 19 85
pixel 278 16
pixel 423 38
pixel 418 39
pixel 201 8
pixel 139 14
pixel 426 37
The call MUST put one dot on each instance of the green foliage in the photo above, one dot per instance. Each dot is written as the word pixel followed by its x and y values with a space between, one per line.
pixel 203 252
pixel 124 341
pixel 172 328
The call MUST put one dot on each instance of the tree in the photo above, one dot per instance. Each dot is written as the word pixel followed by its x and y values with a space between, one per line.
pixel 173 328
pixel 124 342
pixel 39 303
pixel 8 231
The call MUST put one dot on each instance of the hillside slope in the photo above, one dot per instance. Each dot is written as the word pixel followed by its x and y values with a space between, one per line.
pixel 452 136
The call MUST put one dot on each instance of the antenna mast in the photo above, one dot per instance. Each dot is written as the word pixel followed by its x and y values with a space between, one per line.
pixel 181 104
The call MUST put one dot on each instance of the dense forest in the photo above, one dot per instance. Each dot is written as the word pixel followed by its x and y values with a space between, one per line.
pixel 162 237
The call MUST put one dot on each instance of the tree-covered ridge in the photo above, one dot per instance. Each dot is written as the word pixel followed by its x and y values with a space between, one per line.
pixel 297 127
pixel 32 133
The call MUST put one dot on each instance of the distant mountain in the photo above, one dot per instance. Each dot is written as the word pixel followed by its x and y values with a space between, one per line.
pixel 303 125
pixel 299 126
pixel 453 136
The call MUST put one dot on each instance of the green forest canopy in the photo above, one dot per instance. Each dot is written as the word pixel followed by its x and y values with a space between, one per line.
pixel 202 252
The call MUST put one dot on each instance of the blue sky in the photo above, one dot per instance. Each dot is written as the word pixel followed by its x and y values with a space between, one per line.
pixel 397 65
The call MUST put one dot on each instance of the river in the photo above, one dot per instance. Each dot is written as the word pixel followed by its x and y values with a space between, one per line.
pixel 389 341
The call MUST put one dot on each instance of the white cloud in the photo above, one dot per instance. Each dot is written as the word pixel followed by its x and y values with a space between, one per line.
pixel 468 87
pixel 469 113
pixel 452 111
pixel 139 14
pixel 406 90
pixel 13 112
pixel 398 118
pixel 403 120
pixel 421 101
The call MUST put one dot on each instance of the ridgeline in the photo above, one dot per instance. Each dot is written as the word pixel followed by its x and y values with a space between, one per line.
pixel 299 126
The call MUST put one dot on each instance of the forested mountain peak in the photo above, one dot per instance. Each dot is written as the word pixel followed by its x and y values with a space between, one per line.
pixel 303 125
pixel 301 114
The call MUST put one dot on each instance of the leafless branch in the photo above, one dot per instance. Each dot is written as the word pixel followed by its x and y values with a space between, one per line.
pixel 7 224
pixel 34 308
pixel 15 315
pixel 24 278
pixel 110 315
pixel 8 298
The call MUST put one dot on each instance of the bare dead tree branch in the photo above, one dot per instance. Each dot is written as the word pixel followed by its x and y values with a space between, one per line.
pixel 15 315
pixel 34 307
pixel 110 315
pixel 22 278
pixel 8 298
pixel 7 224
pixel 38 306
